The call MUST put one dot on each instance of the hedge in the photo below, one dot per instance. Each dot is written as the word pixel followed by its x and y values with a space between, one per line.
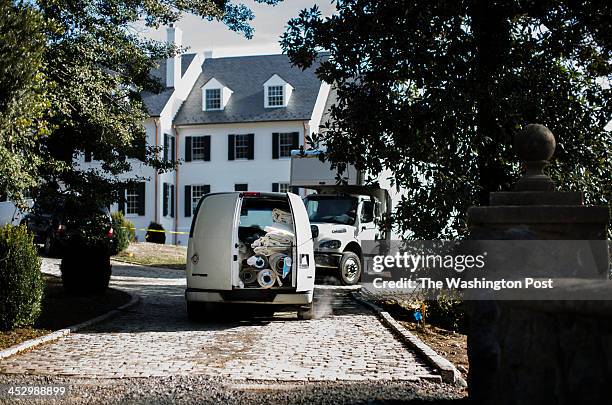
pixel 123 233
pixel 21 282
pixel 155 237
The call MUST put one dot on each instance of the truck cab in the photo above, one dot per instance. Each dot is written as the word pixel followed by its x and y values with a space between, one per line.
pixel 341 215
pixel 339 223
pixel 250 248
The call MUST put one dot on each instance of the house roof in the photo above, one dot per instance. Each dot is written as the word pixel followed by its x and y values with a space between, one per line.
pixel 155 102
pixel 332 97
pixel 246 75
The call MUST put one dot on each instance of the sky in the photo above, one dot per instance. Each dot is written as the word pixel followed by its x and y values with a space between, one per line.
pixel 269 23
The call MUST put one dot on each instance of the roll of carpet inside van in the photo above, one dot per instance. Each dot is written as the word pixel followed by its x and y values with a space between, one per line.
pixel 248 275
pixel 266 278
pixel 258 261
pixel 277 261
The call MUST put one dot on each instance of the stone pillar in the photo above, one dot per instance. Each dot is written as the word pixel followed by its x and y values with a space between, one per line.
pixel 505 337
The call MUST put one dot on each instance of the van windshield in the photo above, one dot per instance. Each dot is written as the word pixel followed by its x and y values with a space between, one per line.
pixel 336 209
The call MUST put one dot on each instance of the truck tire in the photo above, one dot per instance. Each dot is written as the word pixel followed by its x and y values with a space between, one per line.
pixel 306 312
pixel 350 268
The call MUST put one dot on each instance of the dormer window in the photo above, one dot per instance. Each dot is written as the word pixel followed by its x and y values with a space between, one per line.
pixel 277 92
pixel 215 95
pixel 213 99
pixel 276 96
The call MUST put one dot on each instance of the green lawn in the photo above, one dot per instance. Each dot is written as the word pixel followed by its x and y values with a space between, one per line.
pixel 152 254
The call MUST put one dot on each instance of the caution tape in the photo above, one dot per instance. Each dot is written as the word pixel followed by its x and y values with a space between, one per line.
pixel 155 230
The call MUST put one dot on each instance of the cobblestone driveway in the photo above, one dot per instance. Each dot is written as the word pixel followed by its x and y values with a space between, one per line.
pixel 346 343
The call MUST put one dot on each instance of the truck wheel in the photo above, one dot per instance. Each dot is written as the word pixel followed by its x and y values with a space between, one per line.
pixel 350 268
pixel 306 312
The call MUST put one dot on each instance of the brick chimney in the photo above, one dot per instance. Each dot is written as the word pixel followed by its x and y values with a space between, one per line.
pixel 173 65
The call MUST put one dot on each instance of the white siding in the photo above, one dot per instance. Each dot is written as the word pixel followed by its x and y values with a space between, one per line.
pixel 221 174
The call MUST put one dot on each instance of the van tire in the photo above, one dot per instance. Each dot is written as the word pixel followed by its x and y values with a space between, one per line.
pixel 306 312
pixel 350 268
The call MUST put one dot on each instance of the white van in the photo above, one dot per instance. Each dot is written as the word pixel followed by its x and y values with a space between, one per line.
pixel 250 248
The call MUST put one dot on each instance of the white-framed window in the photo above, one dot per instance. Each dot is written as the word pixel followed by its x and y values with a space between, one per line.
pixel 242 146
pixel 283 187
pixel 132 202
pixel 132 199
pixel 197 192
pixel 198 148
pixel 276 96
pixel 285 144
pixel 213 99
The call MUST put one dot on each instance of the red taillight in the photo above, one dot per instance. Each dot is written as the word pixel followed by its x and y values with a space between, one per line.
pixel 251 194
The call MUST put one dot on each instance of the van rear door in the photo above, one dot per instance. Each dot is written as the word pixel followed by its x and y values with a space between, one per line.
pixel 214 239
pixel 304 252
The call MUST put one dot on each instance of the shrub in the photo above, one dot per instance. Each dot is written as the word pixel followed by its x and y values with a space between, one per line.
pixel 131 228
pixel 123 233
pixel 155 237
pixel 448 312
pixel 21 282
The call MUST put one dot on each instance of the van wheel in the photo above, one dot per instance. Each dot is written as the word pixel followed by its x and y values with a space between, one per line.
pixel 196 311
pixel 306 312
pixel 350 268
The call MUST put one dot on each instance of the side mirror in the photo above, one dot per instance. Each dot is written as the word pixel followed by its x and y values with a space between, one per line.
pixel 314 230
pixel 367 212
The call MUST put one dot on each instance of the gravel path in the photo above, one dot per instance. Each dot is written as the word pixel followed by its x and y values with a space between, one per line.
pixel 205 390
pixel 343 356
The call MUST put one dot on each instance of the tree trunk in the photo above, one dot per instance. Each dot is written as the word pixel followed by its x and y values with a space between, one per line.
pixel 491 30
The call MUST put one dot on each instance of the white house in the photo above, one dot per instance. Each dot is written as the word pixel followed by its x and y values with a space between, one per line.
pixel 231 122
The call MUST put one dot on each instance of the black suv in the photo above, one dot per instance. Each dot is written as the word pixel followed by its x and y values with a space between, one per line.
pixel 52 225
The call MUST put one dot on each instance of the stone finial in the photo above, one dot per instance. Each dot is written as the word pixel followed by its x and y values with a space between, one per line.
pixel 535 144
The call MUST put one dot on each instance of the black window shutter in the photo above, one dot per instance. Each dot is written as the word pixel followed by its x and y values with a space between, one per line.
pixel 121 201
pixel 251 138
pixel 295 138
pixel 275 187
pixel 166 147
pixel 230 147
pixel 172 148
pixel 141 198
pixel 165 203
pixel 207 148
pixel 87 155
pixel 187 149
pixel 187 201
pixel 172 200
pixel 275 145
